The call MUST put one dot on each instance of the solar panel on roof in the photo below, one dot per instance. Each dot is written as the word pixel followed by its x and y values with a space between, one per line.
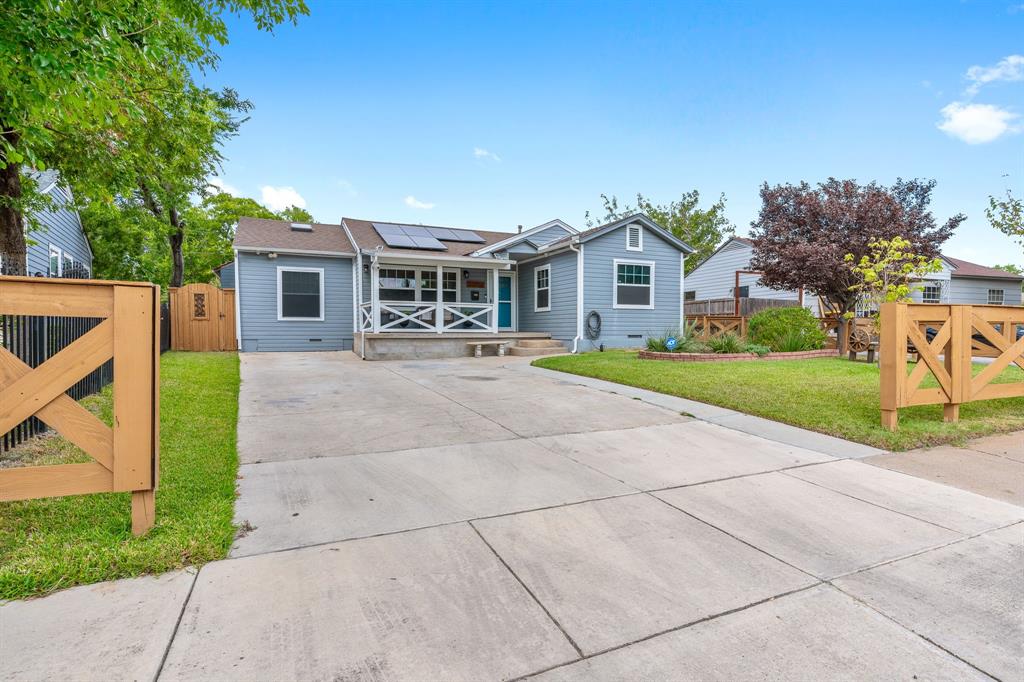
pixel 398 241
pixel 428 242
pixel 383 229
pixel 443 233
pixel 408 237
pixel 416 231
pixel 467 236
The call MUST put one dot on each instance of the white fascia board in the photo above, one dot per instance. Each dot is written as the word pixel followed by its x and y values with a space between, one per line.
pixel 293 252
pixel 521 236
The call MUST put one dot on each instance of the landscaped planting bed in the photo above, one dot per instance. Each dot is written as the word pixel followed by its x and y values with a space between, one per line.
pixel 732 357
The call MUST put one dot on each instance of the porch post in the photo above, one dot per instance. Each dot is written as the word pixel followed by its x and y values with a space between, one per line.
pixel 439 308
pixel 494 300
pixel 375 293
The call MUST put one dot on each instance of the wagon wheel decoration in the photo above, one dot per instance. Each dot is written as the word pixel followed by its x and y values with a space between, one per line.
pixel 860 339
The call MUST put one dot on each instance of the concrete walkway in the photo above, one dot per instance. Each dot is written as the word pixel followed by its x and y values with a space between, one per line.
pixel 482 519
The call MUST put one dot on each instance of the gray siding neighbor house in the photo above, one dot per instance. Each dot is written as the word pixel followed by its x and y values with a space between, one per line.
pixel 58 247
pixel 959 281
pixel 395 290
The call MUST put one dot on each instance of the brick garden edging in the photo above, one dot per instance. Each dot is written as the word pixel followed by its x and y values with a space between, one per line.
pixel 732 357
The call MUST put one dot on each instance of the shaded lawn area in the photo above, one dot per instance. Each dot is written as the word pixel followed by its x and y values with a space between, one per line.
pixel 59 542
pixel 829 395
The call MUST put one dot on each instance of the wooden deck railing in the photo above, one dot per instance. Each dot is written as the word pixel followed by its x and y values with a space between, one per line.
pixel 957 333
pixel 125 456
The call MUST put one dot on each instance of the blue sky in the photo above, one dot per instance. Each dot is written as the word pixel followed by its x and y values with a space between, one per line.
pixel 489 115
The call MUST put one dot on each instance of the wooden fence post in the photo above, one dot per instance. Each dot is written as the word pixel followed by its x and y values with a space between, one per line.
pixel 893 361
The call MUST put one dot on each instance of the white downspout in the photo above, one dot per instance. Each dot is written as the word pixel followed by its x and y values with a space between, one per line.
pixel 579 295
pixel 238 305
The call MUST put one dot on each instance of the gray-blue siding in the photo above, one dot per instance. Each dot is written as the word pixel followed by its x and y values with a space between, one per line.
pixel 60 228
pixel 262 331
pixel 560 321
pixel 628 328
pixel 227 276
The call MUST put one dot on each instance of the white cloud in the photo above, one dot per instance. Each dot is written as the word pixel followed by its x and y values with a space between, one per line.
pixel 481 153
pixel 280 198
pixel 1008 69
pixel 413 202
pixel 221 186
pixel 977 123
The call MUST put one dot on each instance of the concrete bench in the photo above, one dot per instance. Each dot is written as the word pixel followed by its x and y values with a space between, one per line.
pixel 478 347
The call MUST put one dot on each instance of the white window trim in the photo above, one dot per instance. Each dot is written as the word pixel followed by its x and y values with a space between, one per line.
pixel 1002 297
pixel 536 308
pixel 640 238
pixel 60 261
pixel 931 285
pixel 289 268
pixel 615 284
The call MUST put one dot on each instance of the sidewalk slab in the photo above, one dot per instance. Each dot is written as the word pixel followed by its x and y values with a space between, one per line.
pixel 993 476
pixel 794 435
pixel 818 530
pixel 655 457
pixel 817 634
pixel 1009 445
pixel 614 571
pixel 942 505
pixel 299 503
pixel 116 630
pixel 967 597
pixel 425 605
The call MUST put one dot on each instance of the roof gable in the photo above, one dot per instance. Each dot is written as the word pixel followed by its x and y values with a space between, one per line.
pixel 600 230
pixel 529 236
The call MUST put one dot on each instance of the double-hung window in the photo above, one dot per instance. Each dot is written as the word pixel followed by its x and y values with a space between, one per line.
pixel 300 293
pixel 634 284
pixel 542 289
pixel 932 293
pixel 995 297
pixel 398 284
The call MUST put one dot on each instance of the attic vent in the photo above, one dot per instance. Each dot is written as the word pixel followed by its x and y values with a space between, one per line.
pixel 634 238
pixel 302 227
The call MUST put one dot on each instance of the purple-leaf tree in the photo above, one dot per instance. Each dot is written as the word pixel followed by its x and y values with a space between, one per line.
pixel 803 233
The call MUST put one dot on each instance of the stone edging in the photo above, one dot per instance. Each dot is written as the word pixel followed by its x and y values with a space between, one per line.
pixel 732 357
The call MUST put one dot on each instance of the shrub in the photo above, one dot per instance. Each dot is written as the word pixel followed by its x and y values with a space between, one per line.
pixel 727 343
pixel 786 330
pixel 758 349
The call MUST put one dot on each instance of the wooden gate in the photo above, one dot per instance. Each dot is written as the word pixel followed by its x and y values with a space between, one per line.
pixel 202 318
pixel 957 333
pixel 125 456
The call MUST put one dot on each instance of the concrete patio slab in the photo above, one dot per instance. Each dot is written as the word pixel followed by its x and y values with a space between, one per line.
pixel 993 476
pixel 297 503
pixel 939 504
pixel 1009 445
pixel 614 571
pixel 654 457
pixel 430 604
pixel 818 530
pixel 117 630
pixel 272 438
pixel 816 634
pixel 968 598
pixel 794 435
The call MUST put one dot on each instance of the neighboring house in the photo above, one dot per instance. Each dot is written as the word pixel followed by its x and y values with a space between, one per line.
pixel 225 275
pixel 959 281
pixel 339 287
pixel 58 247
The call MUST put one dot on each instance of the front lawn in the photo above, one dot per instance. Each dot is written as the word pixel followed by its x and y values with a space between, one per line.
pixel 59 542
pixel 833 396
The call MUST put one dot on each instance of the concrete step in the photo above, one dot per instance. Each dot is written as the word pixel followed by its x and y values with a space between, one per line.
pixel 539 343
pixel 545 350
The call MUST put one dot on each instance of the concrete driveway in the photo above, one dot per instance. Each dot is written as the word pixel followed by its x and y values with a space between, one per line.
pixel 481 519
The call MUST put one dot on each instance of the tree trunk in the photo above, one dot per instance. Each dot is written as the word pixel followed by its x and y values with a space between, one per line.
pixel 177 238
pixel 12 229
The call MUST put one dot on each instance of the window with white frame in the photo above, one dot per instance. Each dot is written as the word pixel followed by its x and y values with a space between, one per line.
pixel 932 293
pixel 54 267
pixel 995 297
pixel 542 289
pixel 300 293
pixel 67 265
pixel 634 284
pixel 634 238
pixel 398 284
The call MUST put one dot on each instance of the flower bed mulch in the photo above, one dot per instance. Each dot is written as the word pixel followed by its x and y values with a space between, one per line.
pixel 732 357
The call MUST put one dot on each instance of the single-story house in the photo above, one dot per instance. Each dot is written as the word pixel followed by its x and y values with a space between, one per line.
pixel 225 274
pixel 397 290
pixel 58 247
pixel 959 281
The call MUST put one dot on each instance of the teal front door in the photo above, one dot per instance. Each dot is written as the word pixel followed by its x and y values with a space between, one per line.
pixel 505 301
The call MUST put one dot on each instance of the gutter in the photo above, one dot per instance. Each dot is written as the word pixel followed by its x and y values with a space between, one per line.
pixel 298 252
pixel 238 306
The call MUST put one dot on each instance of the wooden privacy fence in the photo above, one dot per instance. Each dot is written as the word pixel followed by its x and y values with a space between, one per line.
pixel 202 318
pixel 957 333
pixel 125 456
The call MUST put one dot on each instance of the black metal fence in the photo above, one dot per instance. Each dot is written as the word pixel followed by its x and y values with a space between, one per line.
pixel 34 339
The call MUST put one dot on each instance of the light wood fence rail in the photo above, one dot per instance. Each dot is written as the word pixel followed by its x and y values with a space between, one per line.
pixel 125 456
pixel 713 326
pixel 957 333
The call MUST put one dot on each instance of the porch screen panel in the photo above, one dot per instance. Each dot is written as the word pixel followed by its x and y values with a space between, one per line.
pixel 633 284
pixel 300 294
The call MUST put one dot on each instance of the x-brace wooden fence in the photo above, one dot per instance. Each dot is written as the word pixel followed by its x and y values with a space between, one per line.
pixel 125 456
pixel 710 326
pixel 957 333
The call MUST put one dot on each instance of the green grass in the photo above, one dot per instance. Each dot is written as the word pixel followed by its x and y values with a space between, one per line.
pixel 833 396
pixel 59 542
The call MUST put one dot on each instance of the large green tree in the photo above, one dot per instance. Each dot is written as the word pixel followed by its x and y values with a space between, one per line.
pixel 702 228
pixel 1007 216
pixel 77 79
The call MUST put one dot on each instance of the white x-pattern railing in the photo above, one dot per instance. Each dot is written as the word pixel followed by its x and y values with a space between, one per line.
pixel 418 314
pixel 468 316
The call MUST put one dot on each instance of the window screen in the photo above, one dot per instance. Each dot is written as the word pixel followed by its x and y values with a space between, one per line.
pixel 633 284
pixel 300 294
